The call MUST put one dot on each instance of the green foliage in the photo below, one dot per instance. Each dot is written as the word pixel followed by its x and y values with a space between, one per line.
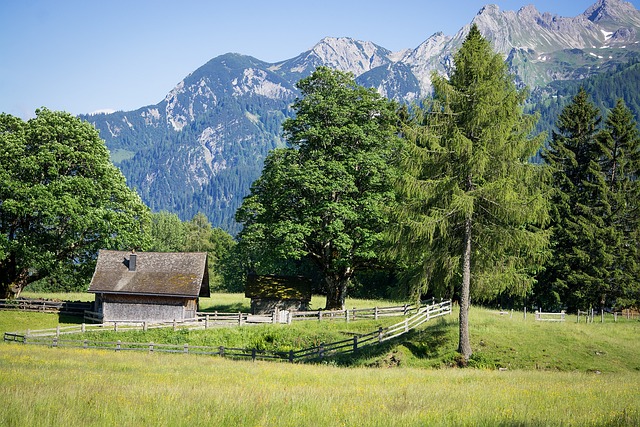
pixel 61 200
pixel 595 201
pixel 323 198
pixel 621 166
pixel 470 205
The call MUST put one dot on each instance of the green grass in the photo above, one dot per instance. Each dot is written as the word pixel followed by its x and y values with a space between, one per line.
pixel 43 386
pixel 552 374
pixel 513 343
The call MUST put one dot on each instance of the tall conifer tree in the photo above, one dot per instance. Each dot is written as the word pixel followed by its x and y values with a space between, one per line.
pixel 583 238
pixel 471 202
pixel 621 167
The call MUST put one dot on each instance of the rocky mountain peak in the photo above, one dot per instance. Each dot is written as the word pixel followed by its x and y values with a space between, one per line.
pixel 612 13
pixel 347 54
pixel 201 147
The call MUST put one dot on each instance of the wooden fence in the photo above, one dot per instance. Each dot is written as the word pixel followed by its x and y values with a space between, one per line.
pixel 551 317
pixel 590 315
pixel 205 320
pixel 350 345
pixel 46 306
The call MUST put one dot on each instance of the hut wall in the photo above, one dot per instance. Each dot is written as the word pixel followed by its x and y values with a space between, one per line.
pixel 269 305
pixel 145 308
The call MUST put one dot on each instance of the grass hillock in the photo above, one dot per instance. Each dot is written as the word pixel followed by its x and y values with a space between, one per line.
pixel 511 342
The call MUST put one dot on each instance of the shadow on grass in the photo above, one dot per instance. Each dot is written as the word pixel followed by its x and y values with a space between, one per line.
pixel 431 342
pixel 72 319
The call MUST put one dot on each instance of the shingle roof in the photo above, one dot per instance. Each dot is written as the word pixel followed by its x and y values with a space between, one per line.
pixel 278 287
pixel 156 273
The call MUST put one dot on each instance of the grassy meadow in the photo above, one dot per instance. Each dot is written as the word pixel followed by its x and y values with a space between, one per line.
pixel 523 373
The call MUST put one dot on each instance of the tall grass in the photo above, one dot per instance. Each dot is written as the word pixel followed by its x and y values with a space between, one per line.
pixel 42 386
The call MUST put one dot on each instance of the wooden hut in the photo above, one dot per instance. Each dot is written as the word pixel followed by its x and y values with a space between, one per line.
pixel 149 286
pixel 270 293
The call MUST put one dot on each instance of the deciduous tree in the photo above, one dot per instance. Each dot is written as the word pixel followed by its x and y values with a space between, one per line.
pixel 61 200
pixel 323 197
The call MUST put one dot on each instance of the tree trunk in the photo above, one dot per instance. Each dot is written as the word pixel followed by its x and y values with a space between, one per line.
pixel 464 347
pixel 12 279
pixel 336 292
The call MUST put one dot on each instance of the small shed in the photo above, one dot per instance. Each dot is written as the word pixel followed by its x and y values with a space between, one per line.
pixel 270 293
pixel 149 286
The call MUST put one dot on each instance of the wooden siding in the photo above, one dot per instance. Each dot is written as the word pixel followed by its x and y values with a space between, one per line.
pixel 148 308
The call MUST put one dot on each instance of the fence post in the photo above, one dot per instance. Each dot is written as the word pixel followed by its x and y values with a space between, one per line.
pixel 57 330
pixel 151 347
pixel 346 314
pixel 525 312
pixel 319 315
pixel 186 348
pixel 289 317
pixel 406 325
pixel 85 344
pixel 83 328
pixel 55 342
pixel 253 354
pixel 174 325
pixel 615 316
pixel 321 351
pixel 118 345
pixel 115 326
pixel 144 326
pixel 206 321
pixel 404 311
pixel 240 318
pixel 221 349
pixel 355 343
pixel 379 334
pixel 291 356
pixel 375 313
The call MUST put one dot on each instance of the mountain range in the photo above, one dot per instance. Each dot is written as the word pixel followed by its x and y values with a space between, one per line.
pixel 201 147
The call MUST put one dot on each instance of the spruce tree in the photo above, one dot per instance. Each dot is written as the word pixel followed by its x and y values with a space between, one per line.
pixel 583 239
pixel 470 200
pixel 621 165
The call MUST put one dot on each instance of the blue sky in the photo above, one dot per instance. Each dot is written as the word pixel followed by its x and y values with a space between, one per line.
pixel 82 56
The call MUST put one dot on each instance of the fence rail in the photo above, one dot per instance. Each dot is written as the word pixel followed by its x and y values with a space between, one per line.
pixel 67 307
pixel 551 317
pixel 205 320
pixel 351 345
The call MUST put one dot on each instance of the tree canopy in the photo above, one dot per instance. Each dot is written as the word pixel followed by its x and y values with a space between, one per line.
pixel 470 204
pixel 322 198
pixel 61 200
pixel 595 204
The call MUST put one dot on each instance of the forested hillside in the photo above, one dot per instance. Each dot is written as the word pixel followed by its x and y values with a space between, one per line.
pixel 604 90
pixel 200 148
